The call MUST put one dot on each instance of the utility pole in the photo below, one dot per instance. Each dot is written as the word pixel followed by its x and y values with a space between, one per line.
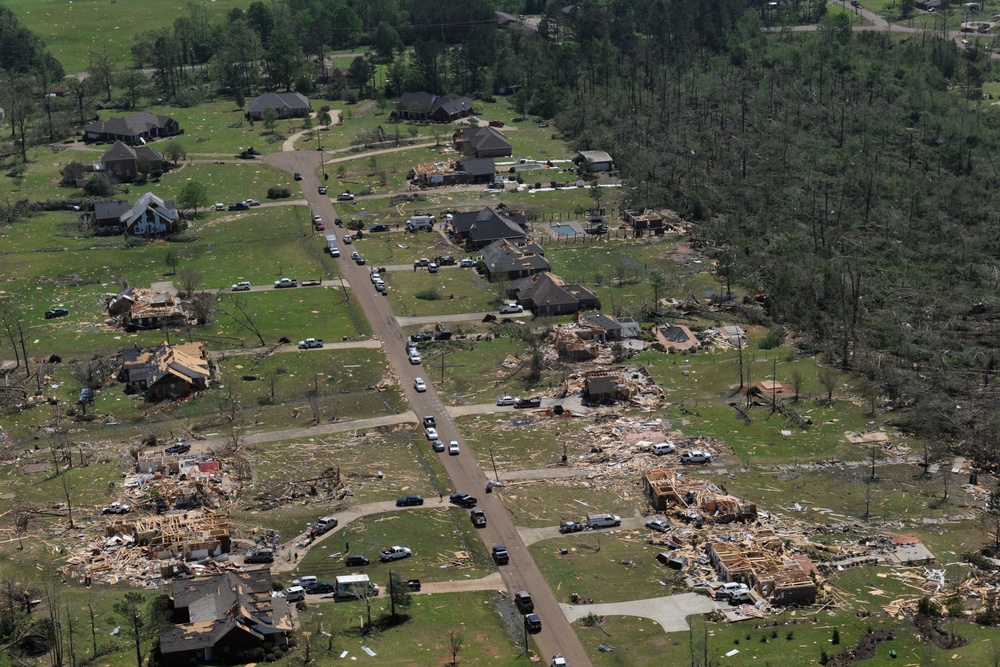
pixel 442 365
pixel 494 462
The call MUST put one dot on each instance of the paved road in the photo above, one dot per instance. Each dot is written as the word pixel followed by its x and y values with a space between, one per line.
pixel 532 535
pixel 364 344
pixel 460 317
pixel 670 612
pixel 557 635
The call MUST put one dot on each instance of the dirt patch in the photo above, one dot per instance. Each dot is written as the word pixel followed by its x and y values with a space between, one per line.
pixel 941 638
pixel 865 649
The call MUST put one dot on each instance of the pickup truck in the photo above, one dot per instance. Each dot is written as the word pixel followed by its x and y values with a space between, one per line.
pixel 286 282
pixel 394 553
pixel 528 403
pixel 500 555
pixel 429 421
pixel 310 343
pixel 117 508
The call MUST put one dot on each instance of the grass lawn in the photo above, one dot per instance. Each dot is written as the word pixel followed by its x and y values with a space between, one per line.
pixel 72 31
pixel 422 641
pixel 547 503
pixel 41 179
pixel 523 441
pixel 382 248
pixel 434 535
pixel 595 566
pixel 228 183
pixel 356 173
pixel 459 292
pixel 637 641
pixel 221 128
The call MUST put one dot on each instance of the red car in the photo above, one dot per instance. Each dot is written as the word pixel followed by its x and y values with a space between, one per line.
pixel 496 123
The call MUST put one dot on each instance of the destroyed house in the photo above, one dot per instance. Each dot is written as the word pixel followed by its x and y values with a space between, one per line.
pixel 545 293
pixel 644 221
pixel 779 578
pixel 603 328
pixel 166 371
pixel 190 535
pixel 667 491
pixel 455 172
pixel 218 618
pixel 514 258
pixel 145 309
pixel 601 387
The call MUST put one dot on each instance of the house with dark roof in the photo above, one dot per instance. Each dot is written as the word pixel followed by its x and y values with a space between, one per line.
pixel 514 258
pixel 165 371
pixel 427 106
pixel 107 216
pixel 478 229
pixel 288 105
pixel 481 142
pixel 455 172
pixel 123 161
pixel 547 294
pixel 218 618
pixel 603 328
pixel 135 128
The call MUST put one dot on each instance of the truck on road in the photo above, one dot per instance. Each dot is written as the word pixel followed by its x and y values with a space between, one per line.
pixel 352 585
pixel 310 343
pixel 331 245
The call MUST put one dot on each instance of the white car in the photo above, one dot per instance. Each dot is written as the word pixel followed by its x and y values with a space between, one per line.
pixel 242 286
pixel 415 358
pixel 453 447
pixel 659 525
pixel 511 308
pixel 506 400
pixel 432 433
pixel 467 262
pixel 420 385
pixel 376 277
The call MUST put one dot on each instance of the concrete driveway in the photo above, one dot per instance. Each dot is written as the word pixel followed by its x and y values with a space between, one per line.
pixel 670 612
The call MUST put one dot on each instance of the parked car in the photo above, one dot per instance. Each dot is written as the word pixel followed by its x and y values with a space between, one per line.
pixel 259 556
pixel 324 525
pixel 360 261
pixel 432 267
pixel 432 433
pixel 345 196
pixel 394 553
pixel 420 385
pixel 506 400
pixel 511 308
pixel 447 260
pixel 533 623
pixel 356 560
pixel 662 448
pixel 695 456
pixel 420 337
pixel 239 206
pixel 219 206
pixel 53 313
pixel 320 588
pixel 182 448
pixel 286 282
pixel 463 500
pixel 117 508
pixel 381 288
pixel 378 228
pixel 500 555
pixel 355 254
pixel 496 123
pixel 438 445
pixel 348 240
pixel 252 202
pixel 571 527
pixel 319 226
pixel 422 262
pixel 415 358
pixel 322 189
pixel 478 518
pixel 453 448
pixel 242 286
pixel 429 420
pixel 467 262
pixel 527 402
pixel 297 176
pixel 523 601
pixel 310 343
pixel 294 594
pixel 659 525
pixel 409 501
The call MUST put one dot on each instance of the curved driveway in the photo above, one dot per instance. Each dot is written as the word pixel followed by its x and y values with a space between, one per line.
pixel 670 612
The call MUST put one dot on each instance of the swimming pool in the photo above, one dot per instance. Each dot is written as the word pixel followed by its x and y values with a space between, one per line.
pixel 563 230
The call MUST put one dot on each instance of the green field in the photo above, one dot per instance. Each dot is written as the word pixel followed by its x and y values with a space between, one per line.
pixel 228 183
pixel 72 31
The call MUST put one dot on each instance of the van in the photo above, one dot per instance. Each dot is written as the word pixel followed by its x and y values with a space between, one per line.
pixel 741 596
pixel 664 448
pixel 295 593
pixel 603 520
pixel 307 580
pixel 731 588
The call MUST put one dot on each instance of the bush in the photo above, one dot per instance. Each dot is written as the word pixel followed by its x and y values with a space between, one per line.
pixel 538 185
pixel 429 294
pixel 275 192
pixel 512 170
pixel 99 186
pixel 836 637
pixel 770 341
pixel 71 172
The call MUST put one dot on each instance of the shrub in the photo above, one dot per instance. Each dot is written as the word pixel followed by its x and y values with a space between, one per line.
pixel 553 185
pixel 770 341
pixel 71 172
pixel 823 658
pixel 836 637
pixel 538 185
pixel 429 294
pixel 276 192
pixel 512 170
pixel 98 186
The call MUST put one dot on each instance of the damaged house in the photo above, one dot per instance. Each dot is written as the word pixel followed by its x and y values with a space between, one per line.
pixel 624 383
pixel 165 371
pixel 187 536
pixel 455 172
pixel 762 564
pixel 139 308
pixel 219 618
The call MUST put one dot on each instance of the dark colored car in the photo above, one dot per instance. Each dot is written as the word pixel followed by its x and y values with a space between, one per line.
pixel 320 587
pixel 500 555
pixel 529 403
pixel 447 260
pixel 259 556
pixel 322 189
pixel 378 228
pixel 239 206
pixel 571 527
pixel 420 337
pixel 533 623
pixel 179 449
pixel 478 518
pixel 409 501
pixel 360 261
pixel 356 560
pixel 55 312
pixel 444 334
pixel 438 445
pixel 429 421
pixel 524 602
pixel 463 500
pixel 297 176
